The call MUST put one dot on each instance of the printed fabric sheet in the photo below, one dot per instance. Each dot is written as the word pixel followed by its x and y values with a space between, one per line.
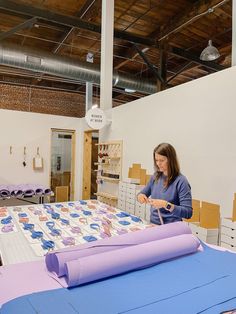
pixel 55 226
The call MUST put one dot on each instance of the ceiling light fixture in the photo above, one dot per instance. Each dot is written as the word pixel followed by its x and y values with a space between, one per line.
pixel 129 90
pixel 210 53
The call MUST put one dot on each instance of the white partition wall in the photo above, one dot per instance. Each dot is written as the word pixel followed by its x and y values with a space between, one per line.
pixel 32 130
pixel 199 119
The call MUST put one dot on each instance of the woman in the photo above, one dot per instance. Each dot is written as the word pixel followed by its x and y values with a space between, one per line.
pixel 169 191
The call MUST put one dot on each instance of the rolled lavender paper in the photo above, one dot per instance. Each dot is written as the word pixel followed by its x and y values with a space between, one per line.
pixel 55 262
pixel 89 268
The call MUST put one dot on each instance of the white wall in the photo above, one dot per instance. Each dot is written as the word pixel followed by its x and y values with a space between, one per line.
pixel 19 129
pixel 199 119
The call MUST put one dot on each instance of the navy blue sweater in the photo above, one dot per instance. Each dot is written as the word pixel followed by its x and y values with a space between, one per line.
pixel 177 193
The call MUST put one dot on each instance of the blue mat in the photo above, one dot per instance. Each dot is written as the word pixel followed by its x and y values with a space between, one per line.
pixel 204 282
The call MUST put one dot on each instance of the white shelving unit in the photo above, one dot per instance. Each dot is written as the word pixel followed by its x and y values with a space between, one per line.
pixel 109 171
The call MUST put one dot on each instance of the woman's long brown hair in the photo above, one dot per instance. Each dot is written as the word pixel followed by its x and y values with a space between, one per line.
pixel 167 150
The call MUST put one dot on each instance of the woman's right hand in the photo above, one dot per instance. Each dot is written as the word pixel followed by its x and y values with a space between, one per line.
pixel 142 198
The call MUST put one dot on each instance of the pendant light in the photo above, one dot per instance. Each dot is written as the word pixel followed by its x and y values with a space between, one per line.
pixel 210 53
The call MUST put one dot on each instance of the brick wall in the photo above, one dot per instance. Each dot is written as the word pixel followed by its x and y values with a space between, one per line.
pixel 42 101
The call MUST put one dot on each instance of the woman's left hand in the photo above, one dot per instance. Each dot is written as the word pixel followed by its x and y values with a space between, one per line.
pixel 157 203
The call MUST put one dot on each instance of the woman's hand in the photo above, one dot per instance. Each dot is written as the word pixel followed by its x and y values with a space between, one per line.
pixel 157 203
pixel 142 198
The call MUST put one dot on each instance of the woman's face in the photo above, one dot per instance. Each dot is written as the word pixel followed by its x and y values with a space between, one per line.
pixel 162 163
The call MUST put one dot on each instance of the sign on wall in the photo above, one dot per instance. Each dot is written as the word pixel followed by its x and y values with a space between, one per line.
pixel 96 118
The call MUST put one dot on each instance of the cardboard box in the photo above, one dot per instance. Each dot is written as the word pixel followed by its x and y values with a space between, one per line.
pixel 148 177
pixel 209 215
pixel 196 211
pixel 234 210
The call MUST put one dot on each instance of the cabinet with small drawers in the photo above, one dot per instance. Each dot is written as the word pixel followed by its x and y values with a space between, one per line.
pixel 228 234
pixel 127 200
pixel 210 236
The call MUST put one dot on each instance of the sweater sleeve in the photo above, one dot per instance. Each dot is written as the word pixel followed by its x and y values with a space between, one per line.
pixel 147 190
pixel 184 209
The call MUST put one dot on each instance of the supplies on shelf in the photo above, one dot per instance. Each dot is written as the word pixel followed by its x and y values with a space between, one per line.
pixel 109 171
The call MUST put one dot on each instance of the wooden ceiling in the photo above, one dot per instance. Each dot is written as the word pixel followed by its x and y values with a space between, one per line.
pixel 159 40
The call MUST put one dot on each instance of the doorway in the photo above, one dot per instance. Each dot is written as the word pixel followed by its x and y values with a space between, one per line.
pixel 62 164
pixel 90 160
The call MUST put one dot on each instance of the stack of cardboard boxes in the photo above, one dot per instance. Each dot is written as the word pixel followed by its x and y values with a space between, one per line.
pixel 205 221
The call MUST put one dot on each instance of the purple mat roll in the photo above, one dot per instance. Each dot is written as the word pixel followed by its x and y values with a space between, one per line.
pixel 4 193
pixel 47 191
pixel 55 261
pixel 38 191
pixel 17 193
pixel 28 193
pixel 91 268
pixel 20 190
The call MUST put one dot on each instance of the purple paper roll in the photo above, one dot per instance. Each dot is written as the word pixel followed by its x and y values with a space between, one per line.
pixel 55 261
pixel 87 269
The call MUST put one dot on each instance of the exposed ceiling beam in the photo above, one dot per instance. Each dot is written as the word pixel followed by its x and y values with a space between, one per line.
pixel 193 12
pixel 188 16
pixel 163 65
pixel 87 5
pixel 85 8
pixel 150 65
pixel 62 40
pixel 79 23
pixel 59 89
pixel 130 54
pixel 17 28
pixel 191 57
pixel 180 70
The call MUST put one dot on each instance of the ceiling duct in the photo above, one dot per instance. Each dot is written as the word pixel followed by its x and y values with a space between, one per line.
pixel 43 62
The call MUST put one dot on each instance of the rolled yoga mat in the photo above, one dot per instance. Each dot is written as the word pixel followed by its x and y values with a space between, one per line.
pixel 103 265
pixel 55 261
pixel 47 191
pixel 39 191
pixel 4 193
pixel 16 190
pixel 29 192
pixel 17 193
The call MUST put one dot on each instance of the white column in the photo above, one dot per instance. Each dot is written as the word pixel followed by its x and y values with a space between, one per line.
pixel 233 62
pixel 89 96
pixel 107 55
pixel 89 86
